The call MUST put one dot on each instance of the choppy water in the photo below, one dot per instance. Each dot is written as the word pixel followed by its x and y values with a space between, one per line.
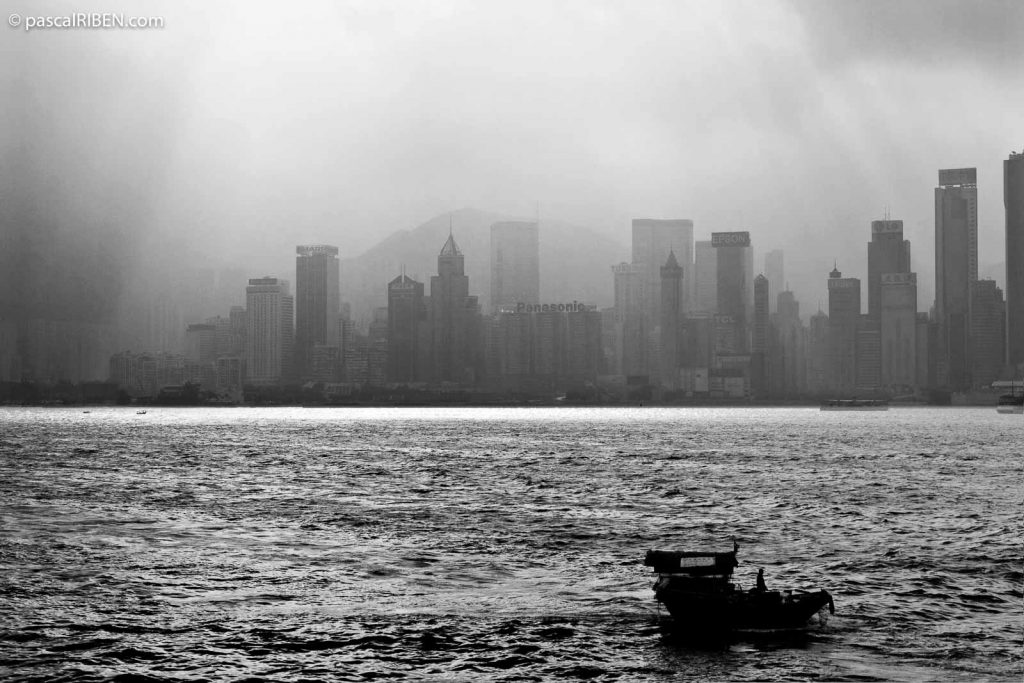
pixel 501 544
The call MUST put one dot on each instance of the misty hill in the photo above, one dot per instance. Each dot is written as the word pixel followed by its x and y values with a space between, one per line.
pixel 575 262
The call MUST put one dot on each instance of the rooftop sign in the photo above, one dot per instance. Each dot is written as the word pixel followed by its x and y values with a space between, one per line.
pixel 730 239
pixel 958 176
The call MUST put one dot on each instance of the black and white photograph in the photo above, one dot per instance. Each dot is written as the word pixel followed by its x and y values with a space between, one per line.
pixel 507 341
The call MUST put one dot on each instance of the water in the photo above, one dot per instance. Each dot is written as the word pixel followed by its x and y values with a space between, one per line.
pixel 501 544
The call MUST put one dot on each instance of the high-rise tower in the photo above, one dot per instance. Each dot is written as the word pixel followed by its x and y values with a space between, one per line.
pixel 317 302
pixel 407 317
pixel 956 271
pixel 843 323
pixel 888 252
pixel 1013 201
pixel 454 320
pixel 673 306
pixel 735 290
pixel 270 313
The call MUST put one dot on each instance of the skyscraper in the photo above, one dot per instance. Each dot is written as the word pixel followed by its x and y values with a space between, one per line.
pixel 843 323
pixel 1013 201
pixel 407 317
pixel 705 294
pixel 652 241
pixel 673 306
pixel 453 319
pixel 317 302
pixel 775 271
pixel 515 264
pixel 631 325
pixel 888 252
pixel 988 333
pixel 760 338
pixel 270 313
pixel 735 290
pixel 956 271
pixel 898 319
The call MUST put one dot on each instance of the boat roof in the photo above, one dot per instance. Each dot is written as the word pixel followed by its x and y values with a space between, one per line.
pixel 689 562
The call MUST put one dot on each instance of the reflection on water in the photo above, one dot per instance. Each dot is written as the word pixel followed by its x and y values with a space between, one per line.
pixel 501 544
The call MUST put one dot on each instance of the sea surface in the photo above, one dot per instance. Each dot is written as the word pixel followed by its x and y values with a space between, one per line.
pixel 474 544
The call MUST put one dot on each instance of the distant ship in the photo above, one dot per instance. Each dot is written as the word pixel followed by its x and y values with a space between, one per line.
pixel 1012 402
pixel 855 404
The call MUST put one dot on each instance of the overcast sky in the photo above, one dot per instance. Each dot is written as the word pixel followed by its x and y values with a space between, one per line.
pixel 249 127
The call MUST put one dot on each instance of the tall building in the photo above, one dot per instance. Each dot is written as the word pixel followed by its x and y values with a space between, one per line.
pixel 818 361
pixel 1013 201
pixel 317 302
pixel 775 271
pixel 888 252
pixel 407 318
pixel 705 294
pixel 673 306
pixel 843 322
pixel 652 241
pixel 790 376
pixel 760 338
pixel 898 320
pixel 631 325
pixel 988 333
pixel 956 271
pixel 270 335
pixel 454 319
pixel 735 286
pixel 515 264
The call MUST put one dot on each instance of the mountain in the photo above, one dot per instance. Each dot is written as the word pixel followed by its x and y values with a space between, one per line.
pixel 575 262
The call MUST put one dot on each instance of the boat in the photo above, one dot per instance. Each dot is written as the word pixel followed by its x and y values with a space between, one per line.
pixel 697 590
pixel 140 412
pixel 855 404
pixel 1013 402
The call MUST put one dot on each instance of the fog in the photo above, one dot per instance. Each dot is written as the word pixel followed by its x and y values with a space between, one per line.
pixel 239 130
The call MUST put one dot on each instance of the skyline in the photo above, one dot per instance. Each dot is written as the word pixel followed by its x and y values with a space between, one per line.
pixel 240 132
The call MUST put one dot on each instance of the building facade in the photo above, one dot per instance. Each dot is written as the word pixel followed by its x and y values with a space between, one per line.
pixel 843 322
pixel 270 333
pixel 956 271
pixel 317 302
pixel 407 339
pixel 898 320
pixel 735 286
pixel 1013 202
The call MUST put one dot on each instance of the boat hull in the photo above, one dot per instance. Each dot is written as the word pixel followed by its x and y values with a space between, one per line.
pixel 740 610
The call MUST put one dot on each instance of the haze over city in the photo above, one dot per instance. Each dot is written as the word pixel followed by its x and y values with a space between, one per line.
pixel 235 132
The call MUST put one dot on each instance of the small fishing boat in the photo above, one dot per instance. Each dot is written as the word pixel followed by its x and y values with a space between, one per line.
pixel 855 404
pixel 140 412
pixel 697 590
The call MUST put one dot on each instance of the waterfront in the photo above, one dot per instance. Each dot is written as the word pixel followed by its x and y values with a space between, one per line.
pixel 501 544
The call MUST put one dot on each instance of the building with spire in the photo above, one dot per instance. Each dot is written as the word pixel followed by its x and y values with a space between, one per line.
pixel 454 319
pixel 673 309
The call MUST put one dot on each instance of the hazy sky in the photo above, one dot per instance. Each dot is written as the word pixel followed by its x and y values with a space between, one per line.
pixel 249 127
